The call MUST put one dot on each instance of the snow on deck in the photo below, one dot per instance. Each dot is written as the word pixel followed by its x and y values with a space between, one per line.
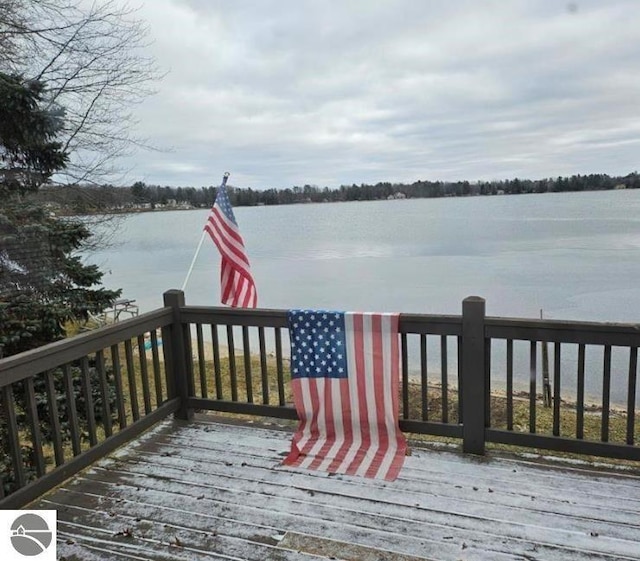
pixel 210 490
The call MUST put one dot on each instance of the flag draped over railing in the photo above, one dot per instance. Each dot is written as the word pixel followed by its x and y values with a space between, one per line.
pixel 238 288
pixel 345 371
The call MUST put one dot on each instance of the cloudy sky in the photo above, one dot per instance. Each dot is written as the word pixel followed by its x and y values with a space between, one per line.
pixel 284 93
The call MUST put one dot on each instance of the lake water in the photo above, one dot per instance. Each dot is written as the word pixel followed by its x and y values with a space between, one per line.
pixel 574 255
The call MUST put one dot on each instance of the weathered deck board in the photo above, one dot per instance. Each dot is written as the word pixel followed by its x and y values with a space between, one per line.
pixel 209 490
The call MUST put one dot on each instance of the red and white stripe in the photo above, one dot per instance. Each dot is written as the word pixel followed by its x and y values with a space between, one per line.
pixel 350 425
pixel 238 288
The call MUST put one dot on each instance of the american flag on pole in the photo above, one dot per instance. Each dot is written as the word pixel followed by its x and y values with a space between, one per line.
pixel 345 371
pixel 238 288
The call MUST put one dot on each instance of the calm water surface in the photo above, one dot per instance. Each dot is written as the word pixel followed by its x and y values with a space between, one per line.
pixel 575 255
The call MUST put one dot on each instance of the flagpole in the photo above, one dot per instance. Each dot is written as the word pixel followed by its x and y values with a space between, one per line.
pixel 193 261
pixel 195 255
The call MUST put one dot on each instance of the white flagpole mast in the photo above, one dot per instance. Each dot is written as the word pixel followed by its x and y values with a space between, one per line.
pixel 195 255
pixel 193 261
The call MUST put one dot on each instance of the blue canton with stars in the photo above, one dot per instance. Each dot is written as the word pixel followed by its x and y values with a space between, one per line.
pixel 222 200
pixel 318 344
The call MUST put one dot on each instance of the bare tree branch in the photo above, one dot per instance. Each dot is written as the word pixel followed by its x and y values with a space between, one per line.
pixel 90 56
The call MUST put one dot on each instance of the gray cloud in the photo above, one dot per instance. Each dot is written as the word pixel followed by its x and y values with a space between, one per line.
pixel 329 93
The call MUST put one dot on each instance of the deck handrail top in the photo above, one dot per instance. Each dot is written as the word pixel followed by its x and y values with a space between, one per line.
pixel 279 316
pixel 534 323
pixel 572 325
pixel 20 366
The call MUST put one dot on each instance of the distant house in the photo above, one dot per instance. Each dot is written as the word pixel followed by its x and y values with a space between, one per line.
pixel 398 195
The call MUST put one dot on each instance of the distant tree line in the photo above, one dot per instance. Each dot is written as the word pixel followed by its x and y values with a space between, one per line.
pixel 87 199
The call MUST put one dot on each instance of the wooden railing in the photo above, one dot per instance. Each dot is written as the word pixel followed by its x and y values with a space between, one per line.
pixel 460 376
pixel 239 364
pixel 568 382
pixel 69 403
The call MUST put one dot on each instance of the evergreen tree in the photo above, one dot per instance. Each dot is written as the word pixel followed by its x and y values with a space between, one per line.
pixel 42 282
pixel 29 153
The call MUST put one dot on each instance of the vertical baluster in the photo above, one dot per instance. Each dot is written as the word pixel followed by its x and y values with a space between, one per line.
pixel 460 392
pixel 34 426
pixel 144 375
pixel 247 363
pixel 52 401
pixel 580 396
pixel 557 398
pixel 202 371
pixel 405 376
pixel 279 366
pixel 131 377
pixel 88 399
pixel 13 435
pixel 424 379
pixel 232 364
pixel 167 333
pixel 188 350
pixel 509 384
pixel 72 413
pixel 157 378
pixel 487 382
pixel 533 373
pixel 263 367
pixel 606 394
pixel 104 393
pixel 444 378
pixel 631 395
pixel 117 379
pixel 217 373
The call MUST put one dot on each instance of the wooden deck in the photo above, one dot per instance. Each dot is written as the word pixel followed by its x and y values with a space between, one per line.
pixel 207 490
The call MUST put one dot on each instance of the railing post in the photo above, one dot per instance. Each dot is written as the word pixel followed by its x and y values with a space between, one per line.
pixel 176 361
pixel 474 384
